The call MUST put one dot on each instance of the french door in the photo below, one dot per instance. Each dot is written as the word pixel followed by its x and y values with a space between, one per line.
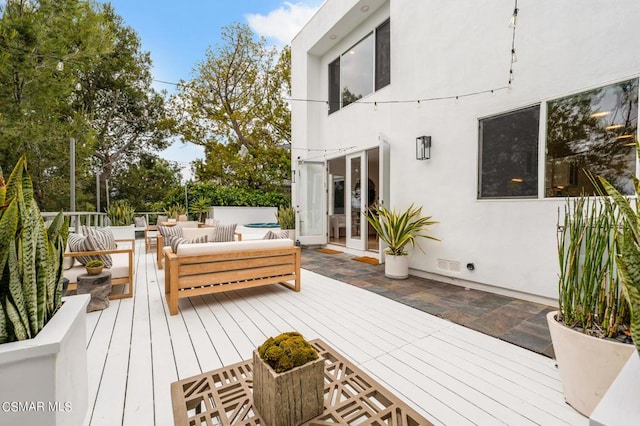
pixel 356 184
pixel 311 199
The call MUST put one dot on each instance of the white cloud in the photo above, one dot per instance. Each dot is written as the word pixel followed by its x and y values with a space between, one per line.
pixel 282 24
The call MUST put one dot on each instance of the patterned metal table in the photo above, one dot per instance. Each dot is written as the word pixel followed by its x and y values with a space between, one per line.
pixel 224 397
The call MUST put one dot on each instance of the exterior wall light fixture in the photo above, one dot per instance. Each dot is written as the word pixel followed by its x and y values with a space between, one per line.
pixel 423 147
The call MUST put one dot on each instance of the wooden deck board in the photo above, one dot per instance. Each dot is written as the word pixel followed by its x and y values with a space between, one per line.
pixel 449 374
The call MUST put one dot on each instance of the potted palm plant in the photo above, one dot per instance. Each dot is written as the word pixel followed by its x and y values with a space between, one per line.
pixel 397 230
pixel 42 340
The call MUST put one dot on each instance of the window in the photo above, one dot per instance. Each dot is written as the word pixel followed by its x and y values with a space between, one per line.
pixel 363 68
pixel 509 154
pixel 594 133
pixel 356 71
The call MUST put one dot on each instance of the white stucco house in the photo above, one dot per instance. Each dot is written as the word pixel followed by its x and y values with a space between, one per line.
pixel 514 117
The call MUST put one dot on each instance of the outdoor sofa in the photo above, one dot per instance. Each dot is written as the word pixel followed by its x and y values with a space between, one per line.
pixel 189 232
pixel 122 270
pixel 205 268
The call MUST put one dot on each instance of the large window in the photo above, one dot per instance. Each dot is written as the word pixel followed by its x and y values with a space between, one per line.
pixel 356 71
pixel 509 154
pixel 592 133
pixel 363 68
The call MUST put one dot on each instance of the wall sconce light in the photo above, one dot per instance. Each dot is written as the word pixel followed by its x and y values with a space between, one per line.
pixel 423 147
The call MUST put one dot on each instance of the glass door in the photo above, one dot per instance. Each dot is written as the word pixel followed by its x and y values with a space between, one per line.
pixel 384 185
pixel 356 184
pixel 310 198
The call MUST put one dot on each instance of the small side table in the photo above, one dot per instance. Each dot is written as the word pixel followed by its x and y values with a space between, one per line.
pixel 98 286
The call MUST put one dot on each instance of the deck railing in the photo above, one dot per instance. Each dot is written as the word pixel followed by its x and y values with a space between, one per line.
pixel 95 219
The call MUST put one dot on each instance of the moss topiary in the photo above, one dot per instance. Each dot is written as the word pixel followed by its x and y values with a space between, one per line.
pixel 287 351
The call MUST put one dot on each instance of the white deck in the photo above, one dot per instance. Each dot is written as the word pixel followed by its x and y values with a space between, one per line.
pixel 448 373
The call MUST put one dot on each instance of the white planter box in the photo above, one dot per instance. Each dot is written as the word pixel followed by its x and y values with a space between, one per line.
pixel 44 379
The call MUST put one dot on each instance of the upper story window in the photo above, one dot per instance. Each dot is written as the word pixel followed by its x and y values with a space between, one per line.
pixel 363 68
pixel 509 154
pixel 592 132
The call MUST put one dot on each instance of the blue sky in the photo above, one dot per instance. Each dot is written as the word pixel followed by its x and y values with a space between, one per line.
pixel 177 35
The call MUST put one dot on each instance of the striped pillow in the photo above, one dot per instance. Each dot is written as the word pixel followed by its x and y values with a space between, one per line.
pixel 224 233
pixel 271 235
pixel 104 237
pixel 169 231
pixel 176 241
pixel 79 243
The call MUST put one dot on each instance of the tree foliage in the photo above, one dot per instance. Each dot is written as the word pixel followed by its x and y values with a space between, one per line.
pixel 72 69
pixel 235 108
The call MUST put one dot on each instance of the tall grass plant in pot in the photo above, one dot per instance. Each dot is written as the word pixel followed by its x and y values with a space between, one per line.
pixel 286 218
pixel 399 229
pixel 588 330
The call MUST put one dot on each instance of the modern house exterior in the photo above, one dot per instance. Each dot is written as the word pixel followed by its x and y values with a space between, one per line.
pixel 508 103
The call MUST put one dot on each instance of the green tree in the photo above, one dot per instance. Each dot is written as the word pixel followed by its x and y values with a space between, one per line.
pixel 127 116
pixel 146 181
pixel 45 46
pixel 235 107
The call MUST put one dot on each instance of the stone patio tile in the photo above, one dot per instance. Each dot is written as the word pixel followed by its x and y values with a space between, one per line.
pixel 458 317
pixel 525 340
pixel 491 301
pixel 534 329
pixel 430 308
pixel 525 305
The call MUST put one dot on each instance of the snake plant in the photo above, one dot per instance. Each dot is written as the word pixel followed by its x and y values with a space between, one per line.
pixel 120 213
pixel 398 229
pixel 31 258
pixel 628 258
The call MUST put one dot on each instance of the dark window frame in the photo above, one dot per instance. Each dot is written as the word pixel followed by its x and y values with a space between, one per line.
pixel 334 86
pixel 382 53
pixel 529 170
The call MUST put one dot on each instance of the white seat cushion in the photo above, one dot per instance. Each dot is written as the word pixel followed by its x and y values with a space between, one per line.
pixel 233 246
pixel 120 268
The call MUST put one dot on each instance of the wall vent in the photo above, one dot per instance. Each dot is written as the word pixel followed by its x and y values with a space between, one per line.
pixel 448 265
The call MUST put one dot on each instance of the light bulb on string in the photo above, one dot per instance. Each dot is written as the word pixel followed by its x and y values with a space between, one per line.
pixel 419 106
pixel 375 106
pixel 60 66
pixel 514 19
pixel 514 58
pixel 78 86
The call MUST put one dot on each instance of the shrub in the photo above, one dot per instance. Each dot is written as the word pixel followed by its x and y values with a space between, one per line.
pixel 287 351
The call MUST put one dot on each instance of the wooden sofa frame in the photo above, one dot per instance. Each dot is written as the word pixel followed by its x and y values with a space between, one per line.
pixel 114 281
pixel 187 276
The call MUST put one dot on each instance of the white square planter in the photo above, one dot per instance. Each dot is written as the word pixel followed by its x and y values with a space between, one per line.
pixel 44 379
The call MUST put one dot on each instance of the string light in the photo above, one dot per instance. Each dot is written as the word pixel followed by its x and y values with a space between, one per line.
pixel 514 18
pixel 60 66
pixel 514 58
pixel 508 87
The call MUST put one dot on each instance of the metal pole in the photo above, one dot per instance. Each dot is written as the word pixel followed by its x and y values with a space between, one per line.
pixel 106 184
pixel 72 172
pixel 186 199
pixel 98 192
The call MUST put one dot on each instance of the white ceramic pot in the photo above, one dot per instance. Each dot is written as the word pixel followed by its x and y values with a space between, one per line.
pixel 587 365
pixel 44 379
pixel 291 233
pixel 396 267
